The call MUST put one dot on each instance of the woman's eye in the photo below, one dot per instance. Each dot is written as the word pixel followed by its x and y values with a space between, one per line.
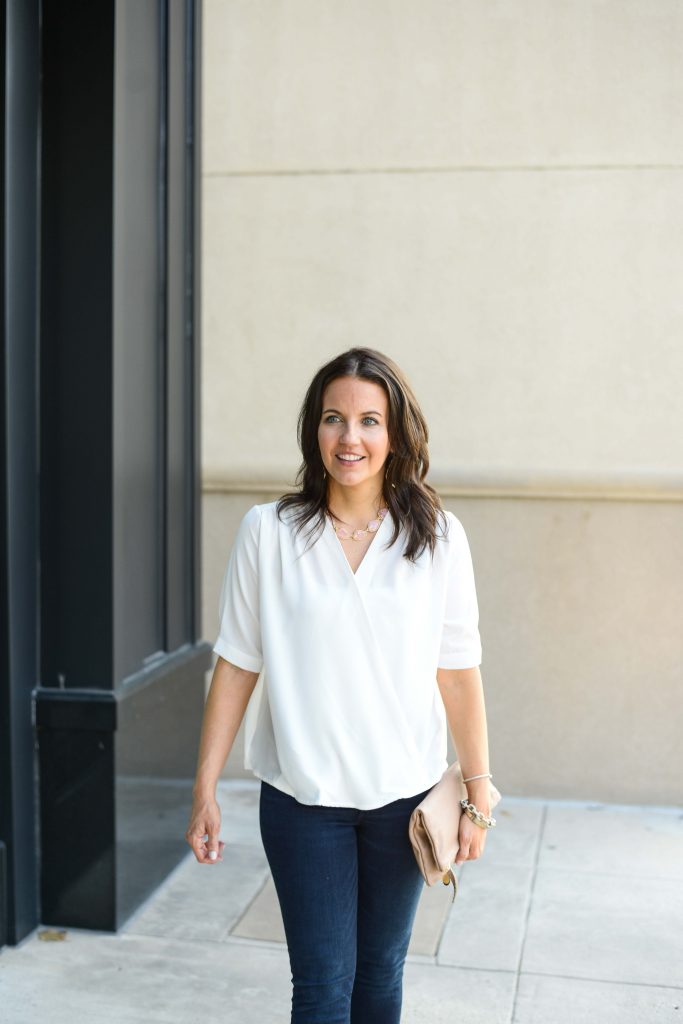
pixel 366 419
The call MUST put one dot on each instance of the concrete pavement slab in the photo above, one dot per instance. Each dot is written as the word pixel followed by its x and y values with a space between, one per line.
pixel 430 919
pixel 632 841
pixel 514 839
pixel 573 1001
pixel 451 995
pixel 606 927
pixel 203 901
pixel 263 918
pixel 485 927
pixel 121 979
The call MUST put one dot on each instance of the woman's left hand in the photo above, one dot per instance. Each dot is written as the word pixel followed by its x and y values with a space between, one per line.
pixel 472 839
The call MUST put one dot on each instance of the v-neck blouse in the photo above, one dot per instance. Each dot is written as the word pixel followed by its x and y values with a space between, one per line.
pixel 346 711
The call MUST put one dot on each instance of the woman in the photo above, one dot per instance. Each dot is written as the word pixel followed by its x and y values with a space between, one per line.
pixel 352 602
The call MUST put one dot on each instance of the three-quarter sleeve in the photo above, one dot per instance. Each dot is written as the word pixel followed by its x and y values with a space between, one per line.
pixel 460 639
pixel 239 637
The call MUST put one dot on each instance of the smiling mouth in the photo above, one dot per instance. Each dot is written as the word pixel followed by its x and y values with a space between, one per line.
pixel 350 460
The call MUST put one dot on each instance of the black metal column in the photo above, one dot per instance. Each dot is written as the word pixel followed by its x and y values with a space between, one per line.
pixel 122 668
pixel 19 111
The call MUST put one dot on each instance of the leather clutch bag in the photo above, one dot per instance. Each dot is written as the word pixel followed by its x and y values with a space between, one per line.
pixel 434 825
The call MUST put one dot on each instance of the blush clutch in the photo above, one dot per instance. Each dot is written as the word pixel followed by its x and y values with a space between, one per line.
pixel 434 825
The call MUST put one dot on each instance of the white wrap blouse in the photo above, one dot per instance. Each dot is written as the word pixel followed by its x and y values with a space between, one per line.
pixel 346 711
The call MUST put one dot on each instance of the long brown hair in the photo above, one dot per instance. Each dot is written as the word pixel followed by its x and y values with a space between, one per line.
pixel 414 505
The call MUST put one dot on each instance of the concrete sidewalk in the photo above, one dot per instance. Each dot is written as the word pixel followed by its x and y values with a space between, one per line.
pixel 574 914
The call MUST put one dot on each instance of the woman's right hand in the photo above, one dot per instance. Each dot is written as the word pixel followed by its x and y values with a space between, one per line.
pixel 204 829
pixel 227 699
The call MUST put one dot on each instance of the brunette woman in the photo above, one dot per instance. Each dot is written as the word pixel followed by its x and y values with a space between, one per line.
pixel 349 627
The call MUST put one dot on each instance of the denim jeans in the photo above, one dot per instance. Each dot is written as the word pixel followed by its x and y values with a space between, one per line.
pixel 348 886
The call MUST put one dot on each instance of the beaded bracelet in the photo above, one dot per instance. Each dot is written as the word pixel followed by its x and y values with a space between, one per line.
pixel 480 819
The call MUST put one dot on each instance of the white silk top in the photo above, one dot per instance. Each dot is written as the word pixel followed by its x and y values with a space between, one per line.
pixel 346 711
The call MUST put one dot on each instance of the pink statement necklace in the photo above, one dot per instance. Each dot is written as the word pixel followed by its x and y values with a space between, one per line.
pixel 372 527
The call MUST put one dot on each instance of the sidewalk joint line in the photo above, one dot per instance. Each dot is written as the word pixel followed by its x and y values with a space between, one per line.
pixel 603 981
pixel 261 888
pixel 447 917
pixel 527 915
pixel 244 940
pixel 474 967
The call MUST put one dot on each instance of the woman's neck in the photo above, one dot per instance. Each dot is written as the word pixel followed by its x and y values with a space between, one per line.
pixel 354 504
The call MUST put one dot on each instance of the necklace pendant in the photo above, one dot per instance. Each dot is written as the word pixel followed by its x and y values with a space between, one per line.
pixel 372 527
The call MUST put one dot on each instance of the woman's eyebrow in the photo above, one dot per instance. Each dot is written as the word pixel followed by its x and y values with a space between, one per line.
pixel 372 412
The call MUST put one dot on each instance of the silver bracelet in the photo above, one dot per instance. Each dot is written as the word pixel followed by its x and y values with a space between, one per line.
pixel 484 775
pixel 480 819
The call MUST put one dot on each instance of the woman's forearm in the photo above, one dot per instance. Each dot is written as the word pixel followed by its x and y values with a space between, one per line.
pixel 462 692
pixel 229 693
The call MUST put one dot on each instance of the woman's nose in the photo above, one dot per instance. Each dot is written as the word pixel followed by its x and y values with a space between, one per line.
pixel 349 433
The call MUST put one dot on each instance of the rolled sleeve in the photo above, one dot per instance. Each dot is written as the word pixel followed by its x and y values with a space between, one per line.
pixel 460 639
pixel 239 635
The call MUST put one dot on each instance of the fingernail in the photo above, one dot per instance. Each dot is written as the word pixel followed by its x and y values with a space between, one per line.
pixel 212 855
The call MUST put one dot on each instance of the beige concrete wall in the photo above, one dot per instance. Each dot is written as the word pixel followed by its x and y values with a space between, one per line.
pixel 493 195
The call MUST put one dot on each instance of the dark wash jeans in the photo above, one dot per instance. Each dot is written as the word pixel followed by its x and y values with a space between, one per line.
pixel 348 886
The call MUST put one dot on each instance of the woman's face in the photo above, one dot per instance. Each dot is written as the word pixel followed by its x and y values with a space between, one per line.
pixel 354 424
